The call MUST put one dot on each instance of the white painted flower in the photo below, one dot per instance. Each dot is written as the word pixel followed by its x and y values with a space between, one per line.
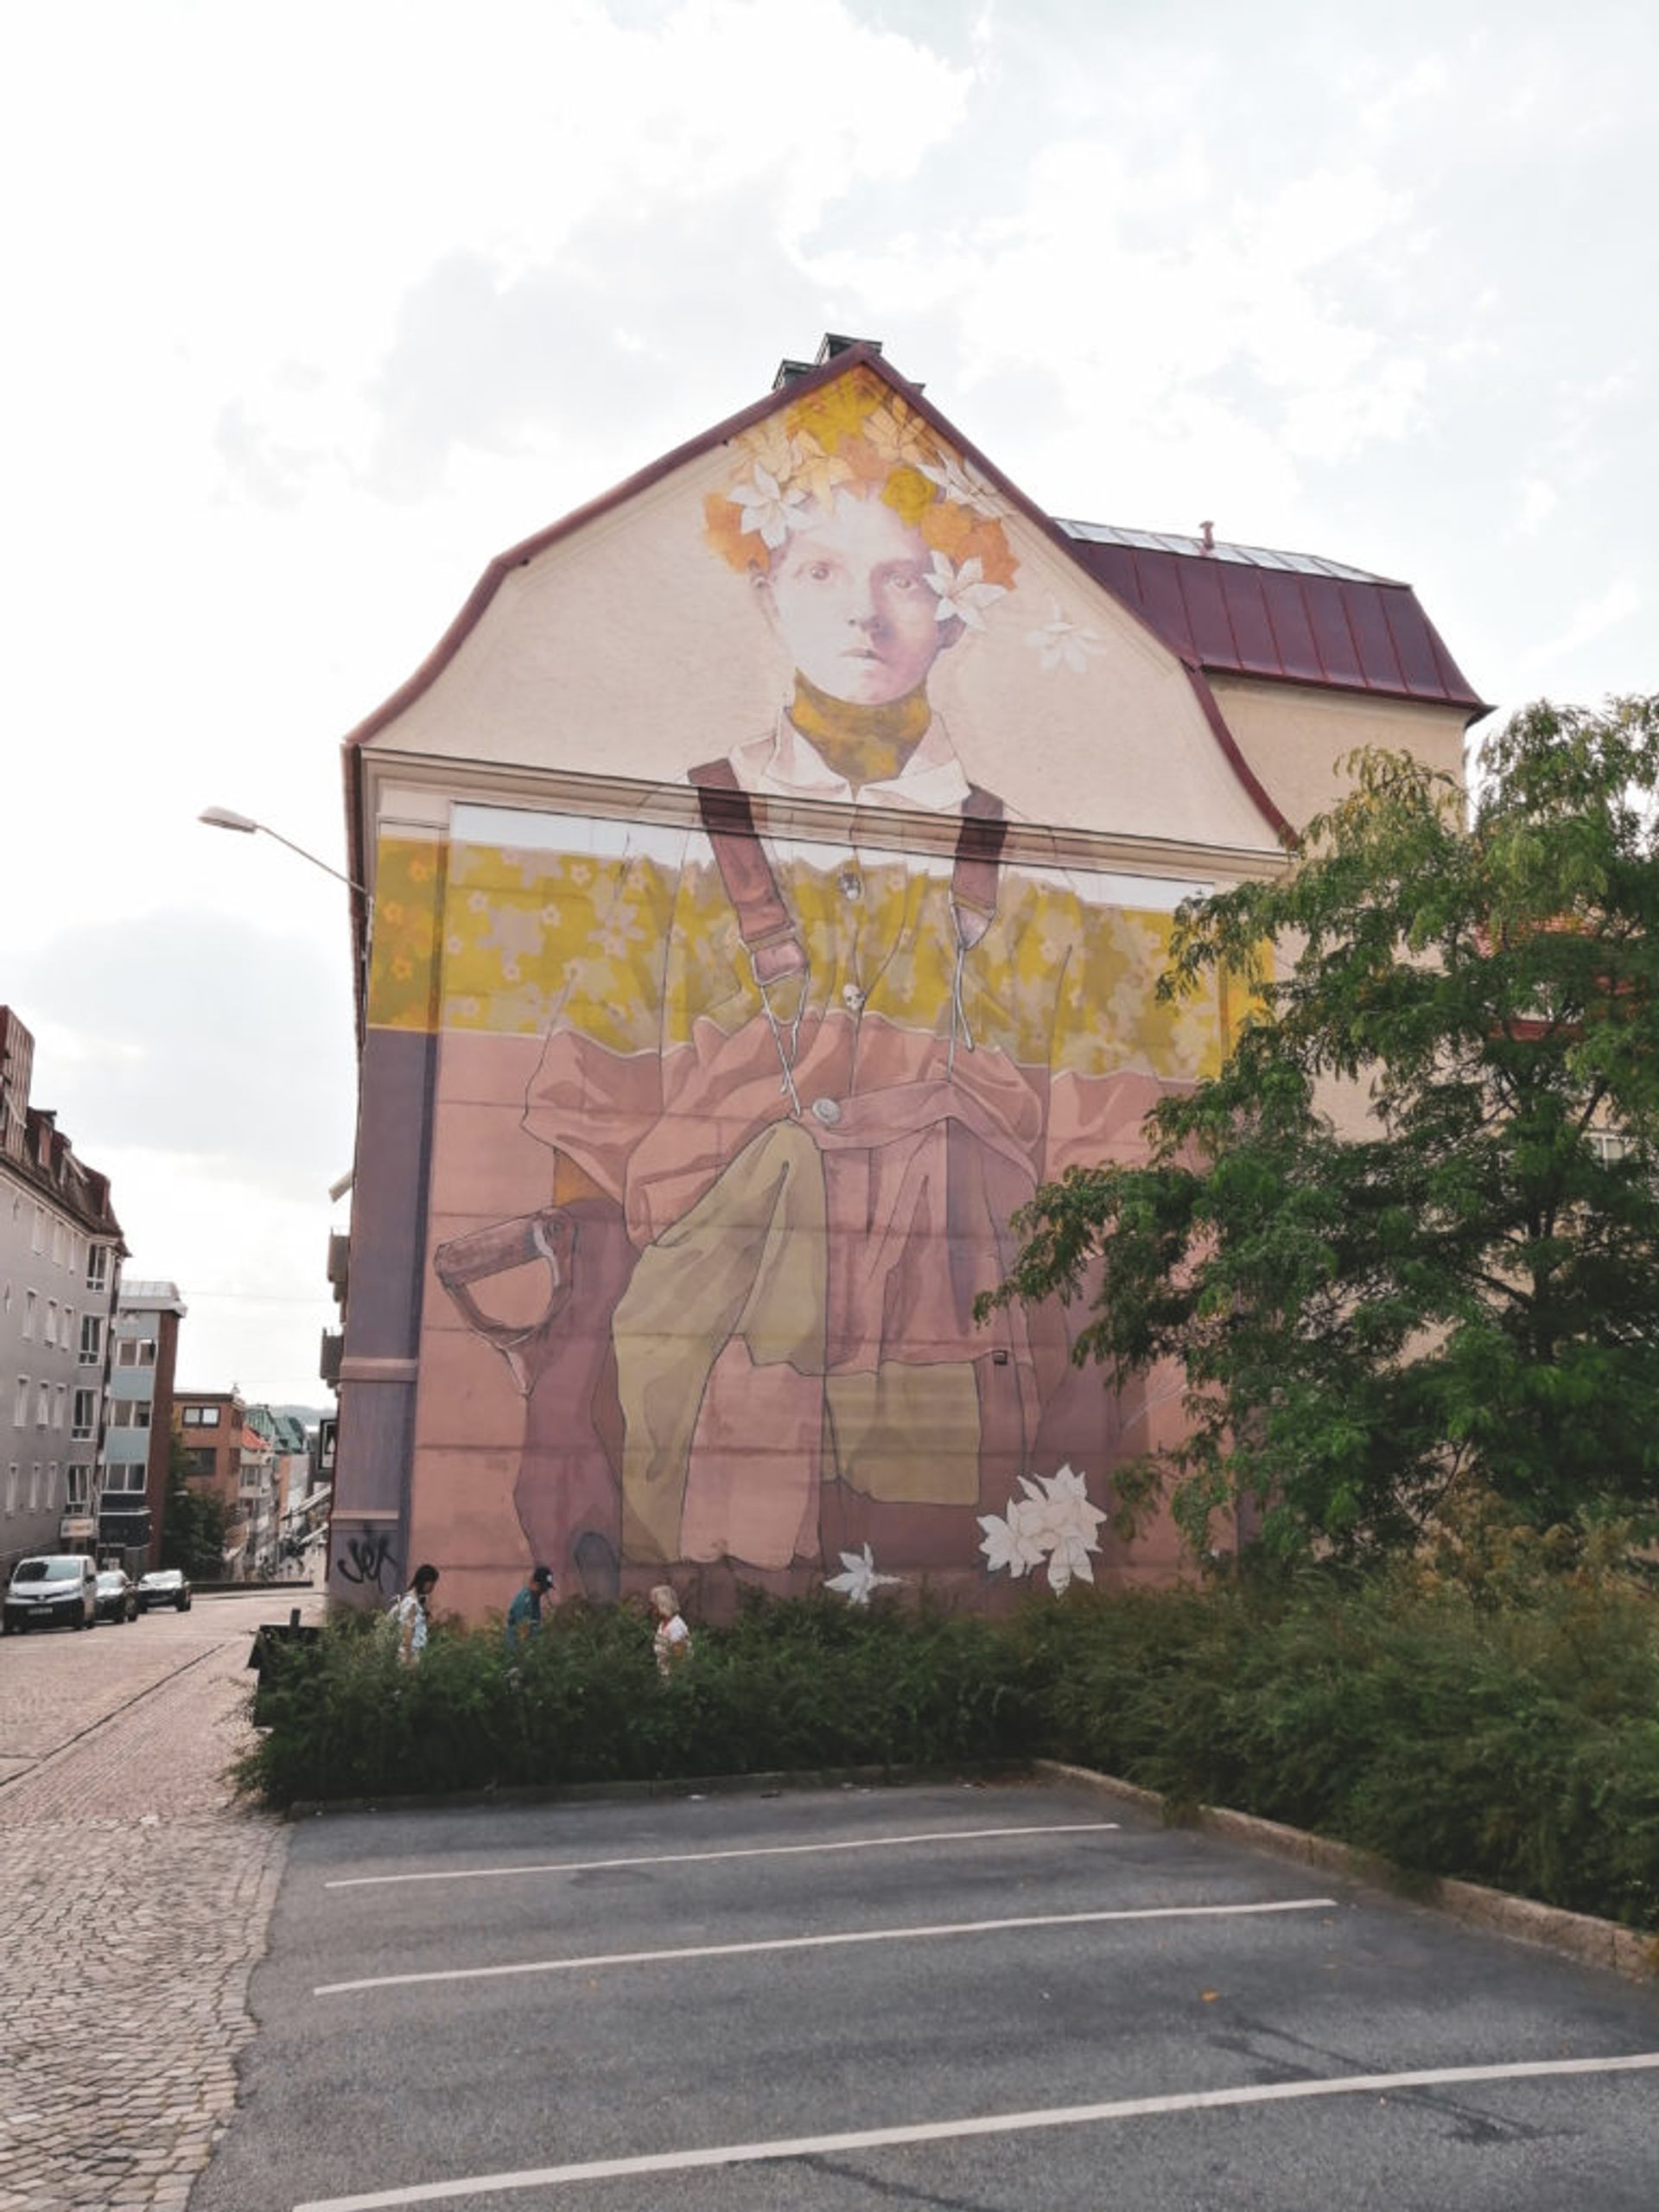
pixel 1062 644
pixel 963 593
pixel 1053 1522
pixel 1009 1543
pixel 963 484
pixel 769 508
pixel 860 1578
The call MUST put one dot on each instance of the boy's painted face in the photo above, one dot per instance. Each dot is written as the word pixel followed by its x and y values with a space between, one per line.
pixel 851 596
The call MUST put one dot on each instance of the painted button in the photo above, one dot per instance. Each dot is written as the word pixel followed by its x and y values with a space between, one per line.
pixel 827 1110
pixel 852 998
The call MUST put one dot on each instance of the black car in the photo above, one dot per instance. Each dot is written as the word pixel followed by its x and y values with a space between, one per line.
pixel 163 1585
pixel 117 1595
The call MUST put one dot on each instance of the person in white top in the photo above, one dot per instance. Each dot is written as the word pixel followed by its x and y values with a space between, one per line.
pixel 672 1642
pixel 413 1612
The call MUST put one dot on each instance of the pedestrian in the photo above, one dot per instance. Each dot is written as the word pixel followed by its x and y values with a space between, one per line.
pixel 672 1642
pixel 413 1611
pixel 525 1613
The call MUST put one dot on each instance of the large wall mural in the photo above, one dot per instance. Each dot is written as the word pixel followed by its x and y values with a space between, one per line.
pixel 731 1113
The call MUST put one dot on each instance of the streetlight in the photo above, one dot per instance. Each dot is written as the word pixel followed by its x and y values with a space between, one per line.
pixel 223 817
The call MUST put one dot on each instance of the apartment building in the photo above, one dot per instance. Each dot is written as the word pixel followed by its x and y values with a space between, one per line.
pixel 140 1422
pixel 228 1456
pixel 61 1254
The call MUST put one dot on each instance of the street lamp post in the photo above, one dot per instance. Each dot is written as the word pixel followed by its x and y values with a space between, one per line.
pixel 224 817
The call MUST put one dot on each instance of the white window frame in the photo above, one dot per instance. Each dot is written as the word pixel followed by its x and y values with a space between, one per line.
pixel 31 1304
pixel 85 1430
pixel 92 1340
pixel 20 1403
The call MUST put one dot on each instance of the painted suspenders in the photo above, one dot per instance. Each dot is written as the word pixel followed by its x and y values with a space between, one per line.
pixel 768 930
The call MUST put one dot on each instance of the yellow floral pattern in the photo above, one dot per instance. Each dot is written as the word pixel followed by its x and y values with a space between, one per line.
pixel 635 955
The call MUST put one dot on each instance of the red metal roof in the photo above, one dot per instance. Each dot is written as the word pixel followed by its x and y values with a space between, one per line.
pixel 1243 610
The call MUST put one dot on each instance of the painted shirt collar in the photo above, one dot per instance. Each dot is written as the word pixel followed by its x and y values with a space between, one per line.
pixel 786 764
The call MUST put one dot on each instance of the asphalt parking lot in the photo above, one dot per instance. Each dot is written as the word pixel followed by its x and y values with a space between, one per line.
pixel 992 2000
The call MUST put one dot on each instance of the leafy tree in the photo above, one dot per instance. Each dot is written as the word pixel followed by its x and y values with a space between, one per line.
pixel 192 1522
pixel 1407 1239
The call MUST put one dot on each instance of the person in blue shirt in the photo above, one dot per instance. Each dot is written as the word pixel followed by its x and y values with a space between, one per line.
pixel 525 1613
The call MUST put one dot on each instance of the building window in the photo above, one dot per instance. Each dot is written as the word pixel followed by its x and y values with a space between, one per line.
pixel 98 1267
pixel 135 1351
pixel 20 1404
pixel 11 1489
pixel 57 1406
pixel 78 1487
pixel 42 1404
pixel 51 1497
pixel 34 1487
pixel 30 1303
pixel 129 1412
pixel 51 1322
pixel 200 1417
pixel 92 1340
pixel 86 1421
pixel 204 1462
pixel 124 1480
pixel 59 1244
pixel 37 1242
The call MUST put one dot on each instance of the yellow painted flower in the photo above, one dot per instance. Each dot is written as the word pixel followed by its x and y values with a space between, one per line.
pixel 838 411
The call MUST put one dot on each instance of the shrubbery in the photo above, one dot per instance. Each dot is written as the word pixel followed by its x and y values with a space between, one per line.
pixel 1508 1736
pixel 807 1684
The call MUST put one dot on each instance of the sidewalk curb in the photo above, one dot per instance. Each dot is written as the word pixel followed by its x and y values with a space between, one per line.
pixel 685 1785
pixel 1572 1934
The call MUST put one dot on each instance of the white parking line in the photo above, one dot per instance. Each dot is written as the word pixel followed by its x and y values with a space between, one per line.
pixel 693 1857
pixel 1008 2123
pixel 824 1942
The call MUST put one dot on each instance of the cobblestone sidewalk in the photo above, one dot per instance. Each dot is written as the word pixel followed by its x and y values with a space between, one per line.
pixel 138 1900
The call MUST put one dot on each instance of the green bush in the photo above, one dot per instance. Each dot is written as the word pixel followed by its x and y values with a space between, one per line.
pixel 1512 1740
pixel 804 1684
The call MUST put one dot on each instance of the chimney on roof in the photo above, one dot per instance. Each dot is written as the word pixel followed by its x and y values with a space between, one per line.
pixel 1206 536
pixel 830 344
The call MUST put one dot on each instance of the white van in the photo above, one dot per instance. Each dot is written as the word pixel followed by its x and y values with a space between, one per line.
pixel 52 1590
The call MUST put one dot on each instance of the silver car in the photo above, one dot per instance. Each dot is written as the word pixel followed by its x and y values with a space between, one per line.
pixel 53 1590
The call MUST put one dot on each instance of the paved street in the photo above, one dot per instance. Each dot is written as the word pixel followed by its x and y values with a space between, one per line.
pixel 136 1901
pixel 984 2000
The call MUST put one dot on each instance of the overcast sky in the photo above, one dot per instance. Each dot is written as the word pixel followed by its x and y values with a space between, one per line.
pixel 317 307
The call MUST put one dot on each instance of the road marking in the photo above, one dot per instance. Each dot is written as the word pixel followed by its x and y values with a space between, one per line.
pixel 824 1942
pixel 692 1858
pixel 1006 2123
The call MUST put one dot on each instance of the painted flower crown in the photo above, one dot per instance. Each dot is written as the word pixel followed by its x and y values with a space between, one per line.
pixel 857 435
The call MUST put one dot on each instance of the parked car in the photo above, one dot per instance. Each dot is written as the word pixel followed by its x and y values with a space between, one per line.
pixel 117 1595
pixel 163 1585
pixel 53 1590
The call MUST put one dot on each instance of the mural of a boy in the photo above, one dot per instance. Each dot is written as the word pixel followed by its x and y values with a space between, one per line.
pixel 799 1092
